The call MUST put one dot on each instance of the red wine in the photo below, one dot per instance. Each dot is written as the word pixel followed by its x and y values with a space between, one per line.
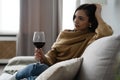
pixel 39 44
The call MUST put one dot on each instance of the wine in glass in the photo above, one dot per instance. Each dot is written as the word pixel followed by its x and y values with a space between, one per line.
pixel 39 39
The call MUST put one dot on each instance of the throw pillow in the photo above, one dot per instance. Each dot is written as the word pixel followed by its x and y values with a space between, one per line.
pixel 100 59
pixel 65 70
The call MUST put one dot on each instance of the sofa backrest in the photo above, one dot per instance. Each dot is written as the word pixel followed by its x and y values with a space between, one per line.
pixel 100 59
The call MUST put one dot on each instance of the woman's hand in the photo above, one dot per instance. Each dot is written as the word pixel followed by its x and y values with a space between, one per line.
pixel 98 10
pixel 39 55
pixel 98 14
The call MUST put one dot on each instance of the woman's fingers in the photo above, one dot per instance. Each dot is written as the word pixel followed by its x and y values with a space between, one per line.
pixel 98 9
pixel 38 50
pixel 39 54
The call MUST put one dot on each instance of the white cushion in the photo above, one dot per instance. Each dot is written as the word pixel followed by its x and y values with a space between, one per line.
pixel 18 63
pixel 117 68
pixel 65 70
pixel 5 76
pixel 99 59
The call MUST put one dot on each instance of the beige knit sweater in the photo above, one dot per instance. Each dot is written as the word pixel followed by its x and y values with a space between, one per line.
pixel 71 44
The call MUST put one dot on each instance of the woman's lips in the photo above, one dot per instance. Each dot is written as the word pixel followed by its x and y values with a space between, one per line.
pixel 77 25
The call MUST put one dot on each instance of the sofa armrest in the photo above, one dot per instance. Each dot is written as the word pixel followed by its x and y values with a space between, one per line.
pixel 18 63
pixel 21 60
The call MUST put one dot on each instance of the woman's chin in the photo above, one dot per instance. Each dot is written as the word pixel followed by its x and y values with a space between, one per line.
pixel 77 28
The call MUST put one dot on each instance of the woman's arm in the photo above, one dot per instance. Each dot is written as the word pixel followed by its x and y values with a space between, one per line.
pixel 103 29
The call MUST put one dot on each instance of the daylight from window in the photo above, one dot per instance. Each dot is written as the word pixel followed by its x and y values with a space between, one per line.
pixel 68 11
pixel 9 16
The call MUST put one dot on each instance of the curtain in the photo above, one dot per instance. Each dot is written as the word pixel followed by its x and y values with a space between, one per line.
pixel 38 15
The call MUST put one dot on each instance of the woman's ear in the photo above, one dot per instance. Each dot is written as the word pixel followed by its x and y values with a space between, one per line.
pixel 90 25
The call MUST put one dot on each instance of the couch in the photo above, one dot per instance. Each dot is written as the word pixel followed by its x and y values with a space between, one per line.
pixel 100 61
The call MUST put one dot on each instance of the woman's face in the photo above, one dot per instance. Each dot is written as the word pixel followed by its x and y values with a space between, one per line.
pixel 81 20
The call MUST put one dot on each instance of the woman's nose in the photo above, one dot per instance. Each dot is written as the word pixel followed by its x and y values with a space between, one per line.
pixel 76 20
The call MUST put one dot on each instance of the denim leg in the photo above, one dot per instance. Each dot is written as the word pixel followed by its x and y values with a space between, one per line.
pixel 32 78
pixel 31 70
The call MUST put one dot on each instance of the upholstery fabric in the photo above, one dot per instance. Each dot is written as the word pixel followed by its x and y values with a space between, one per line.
pixel 117 67
pixel 100 59
pixel 18 63
pixel 65 70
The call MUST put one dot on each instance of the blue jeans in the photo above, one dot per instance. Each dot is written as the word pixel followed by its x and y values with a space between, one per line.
pixel 31 71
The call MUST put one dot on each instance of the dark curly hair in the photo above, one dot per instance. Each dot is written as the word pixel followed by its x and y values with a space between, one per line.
pixel 90 12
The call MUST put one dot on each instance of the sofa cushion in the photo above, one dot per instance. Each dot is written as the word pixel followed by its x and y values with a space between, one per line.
pixel 5 76
pixel 117 68
pixel 65 70
pixel 100 59
pixel 18 63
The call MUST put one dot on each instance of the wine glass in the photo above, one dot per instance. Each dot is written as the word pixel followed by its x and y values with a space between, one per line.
pixel 39 39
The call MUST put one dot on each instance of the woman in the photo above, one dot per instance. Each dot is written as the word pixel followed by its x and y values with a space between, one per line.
pixel 89 26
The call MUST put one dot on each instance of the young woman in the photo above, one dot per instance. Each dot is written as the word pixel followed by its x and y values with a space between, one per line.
pixel 89 26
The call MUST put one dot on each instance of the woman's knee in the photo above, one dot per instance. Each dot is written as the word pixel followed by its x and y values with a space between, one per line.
pixel 25 72
pixel 31 70
pixel 38 69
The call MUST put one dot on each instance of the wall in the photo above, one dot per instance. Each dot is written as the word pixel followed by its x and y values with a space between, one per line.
pixel 111 14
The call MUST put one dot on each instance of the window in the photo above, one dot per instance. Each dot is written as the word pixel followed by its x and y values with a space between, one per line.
pixel 9 16
pixel 69 7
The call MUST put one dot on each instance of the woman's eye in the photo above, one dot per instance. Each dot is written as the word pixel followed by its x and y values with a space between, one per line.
pixel 81 18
